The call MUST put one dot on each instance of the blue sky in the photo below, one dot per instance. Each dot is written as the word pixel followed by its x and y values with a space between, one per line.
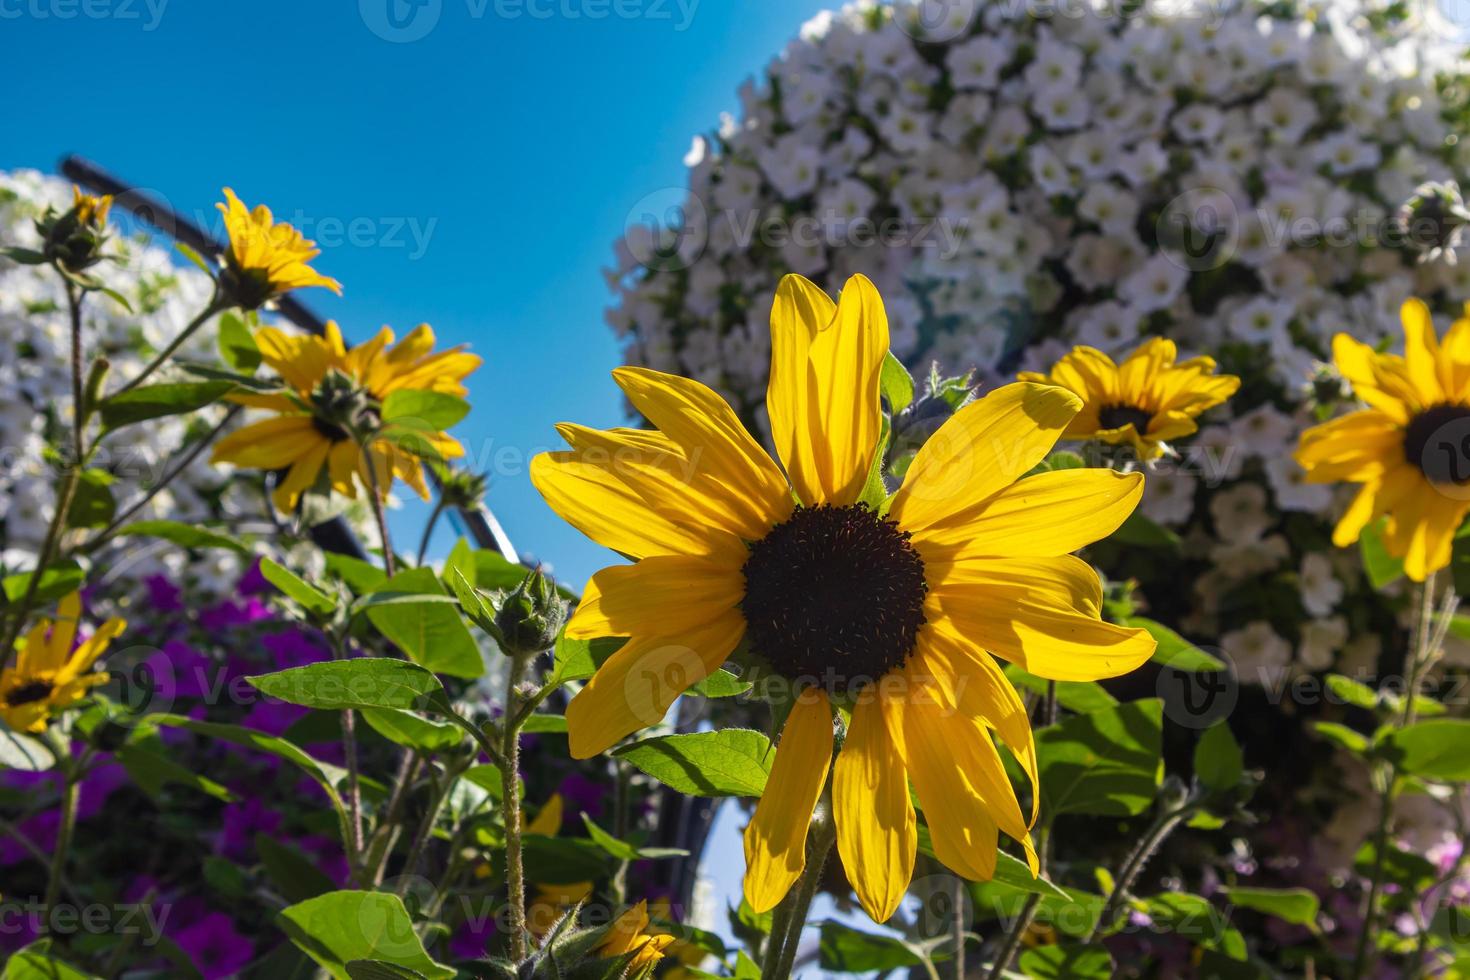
pixel 467 163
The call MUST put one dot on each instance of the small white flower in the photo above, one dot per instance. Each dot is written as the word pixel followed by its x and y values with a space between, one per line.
pixel 1259 654
pixel 1240 512
pixel 1156 285
pixel 1321 590
pixel 1263 431
pixel 1320 641
pixel 1291 489
pixel 1168 497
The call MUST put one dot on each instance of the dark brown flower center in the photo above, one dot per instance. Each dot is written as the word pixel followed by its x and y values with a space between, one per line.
pixel 834 596
pixel 1117 416
pixel 1437 441
pixel 29 693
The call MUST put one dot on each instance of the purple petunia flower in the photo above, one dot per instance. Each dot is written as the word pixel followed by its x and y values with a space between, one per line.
pixel 217 949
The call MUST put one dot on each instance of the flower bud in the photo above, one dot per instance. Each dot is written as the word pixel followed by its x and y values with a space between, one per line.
pixel 73 239
pixel 530 616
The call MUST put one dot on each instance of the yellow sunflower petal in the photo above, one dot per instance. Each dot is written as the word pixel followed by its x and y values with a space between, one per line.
pixel 68 617
pixel 1041 516
pixel 302 475
pixel 1421 351
pixel 710 434
pixel 1137 373
pixel 877 834
pixel 1358 446
pixel 1381 380
pixel 1048 639
pixel 800 311
pixel 272 443
pixel 775 839
pixel 612 513
pixel 964 834
pixel 662 594
pixel 981 450
pixel 636 686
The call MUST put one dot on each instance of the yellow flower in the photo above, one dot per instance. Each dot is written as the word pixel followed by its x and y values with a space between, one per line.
pixel 48 674
pixel 548 820
pixel 266 258
pixel 627 937
pixel 91 210
pixel 1410 449
pixel 1143 402
pixel 551 902
pixel 890 614
pixel 333 407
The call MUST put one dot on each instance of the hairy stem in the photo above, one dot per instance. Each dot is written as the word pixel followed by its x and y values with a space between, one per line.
pixel 1134 864
pixel 1421 651
pixel 510 794
pixel 216 305
pixel 824 834
pixel 380 516
pixel 63 845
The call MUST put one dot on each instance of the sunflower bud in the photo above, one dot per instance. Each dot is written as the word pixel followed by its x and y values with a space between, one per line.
pixel 73 239
pixel 1432 220
pixel 461 488
pixel 530 616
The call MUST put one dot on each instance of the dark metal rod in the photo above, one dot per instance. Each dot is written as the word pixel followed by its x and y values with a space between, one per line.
pixel 148 209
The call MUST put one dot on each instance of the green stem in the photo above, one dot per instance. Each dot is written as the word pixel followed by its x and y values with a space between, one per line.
pixel 168 477
pixel 510 795
pixel 216 305
pixel 354 780
pixel 1134 864
pixel 426 827
pixel 433 521
pixel 775 941
pixel 63 844
pixel 380 516
pixel 957 927
pixel 1419 654
pixel 70 479
pixel 824 834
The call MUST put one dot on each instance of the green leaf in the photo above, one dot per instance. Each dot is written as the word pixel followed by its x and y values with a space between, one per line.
pixel 93 505
pixel 36 963
pixel 1218 760
pixel 1295 905
pixel 340 927
pixel 430 411
pixel 304 594
pixel 720 684
pixel 1081 697
pixel 1071 961
pixel 1012 872
pixel 237 346
pixel 365 682
pixel 198 260
pixel 57 580
pixel 545 725
pixel 1352 692
pixel 1383 569
pixel 329 777
pixel 577 660
pixel 360 576
pixel 847 950
pixel 1173 650
pixel 23 753
pixel 895 383
pixel 1107 763
pixel 152 770
pixel 184 535
pixel 1141 532
pixel 1435 749
pixel 378 970
pixel 157 401
pixel 430 632
pixel 412 730
pixel 730 762
pixel 296 876
pixel 1341 736
pixel 624 851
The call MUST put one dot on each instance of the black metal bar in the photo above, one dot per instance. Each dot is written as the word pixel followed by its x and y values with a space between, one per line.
pixel 148 209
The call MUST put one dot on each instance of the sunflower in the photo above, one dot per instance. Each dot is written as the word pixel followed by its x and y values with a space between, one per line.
pixel 91 209
pixel 1143 402
pixel 266 258
pixel 49 675
pixel 627 937
pixel 332 408
pixel 1410 448
pixel 886 613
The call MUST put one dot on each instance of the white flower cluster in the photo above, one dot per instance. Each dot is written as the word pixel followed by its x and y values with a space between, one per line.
pixel 1018 179
pixel 36 396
